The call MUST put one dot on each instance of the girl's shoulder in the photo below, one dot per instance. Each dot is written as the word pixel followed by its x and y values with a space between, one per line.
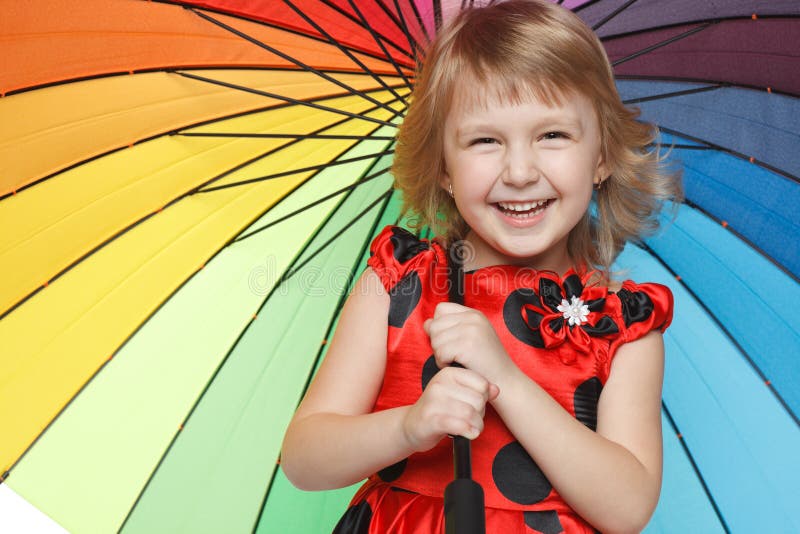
pixel 576 310
pixel 395 252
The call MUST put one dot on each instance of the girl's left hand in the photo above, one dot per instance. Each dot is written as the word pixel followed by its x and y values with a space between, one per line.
pixel 464 335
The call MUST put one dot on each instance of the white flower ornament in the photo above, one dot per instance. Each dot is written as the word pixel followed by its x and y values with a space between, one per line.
pixel 576 312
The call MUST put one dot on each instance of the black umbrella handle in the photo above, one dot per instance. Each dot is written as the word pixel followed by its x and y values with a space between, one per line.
pixel 463 507
pixel 463 498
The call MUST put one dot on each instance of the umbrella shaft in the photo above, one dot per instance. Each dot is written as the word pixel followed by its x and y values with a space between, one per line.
pixel 462 464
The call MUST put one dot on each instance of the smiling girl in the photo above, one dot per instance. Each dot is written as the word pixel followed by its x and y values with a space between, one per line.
pixel 515 127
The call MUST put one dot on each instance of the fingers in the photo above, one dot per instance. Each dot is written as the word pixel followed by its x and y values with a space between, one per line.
pixel 449 308
pixel 464 388
pixel 456 418
pixel 454 403
pixel 454 331
pixel 447 336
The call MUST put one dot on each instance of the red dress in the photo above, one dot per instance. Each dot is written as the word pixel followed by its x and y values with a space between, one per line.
pixel 570 361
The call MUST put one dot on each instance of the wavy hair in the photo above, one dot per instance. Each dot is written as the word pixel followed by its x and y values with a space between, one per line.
pixel 514 51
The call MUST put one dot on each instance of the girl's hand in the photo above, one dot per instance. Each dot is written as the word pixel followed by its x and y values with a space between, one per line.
pixel 463 335
pixel 453 403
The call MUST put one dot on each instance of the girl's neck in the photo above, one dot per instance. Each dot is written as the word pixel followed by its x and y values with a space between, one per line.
pixel 479 254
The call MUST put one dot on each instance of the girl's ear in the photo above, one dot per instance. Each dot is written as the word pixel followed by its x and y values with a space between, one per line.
pixel 601 173
pixel 444 181
pixel 446 184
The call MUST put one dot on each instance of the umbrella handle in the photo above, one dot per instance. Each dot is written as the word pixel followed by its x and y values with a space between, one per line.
pixel 463 507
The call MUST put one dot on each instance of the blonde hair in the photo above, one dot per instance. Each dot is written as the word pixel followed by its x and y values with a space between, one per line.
pixel 513 51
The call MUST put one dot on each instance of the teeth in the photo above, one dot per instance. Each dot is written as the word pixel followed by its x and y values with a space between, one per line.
pixel 521 206
pixel 523 210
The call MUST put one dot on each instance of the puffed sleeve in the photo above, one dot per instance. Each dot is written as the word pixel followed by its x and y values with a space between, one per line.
pixel 639 308
pixel 395 252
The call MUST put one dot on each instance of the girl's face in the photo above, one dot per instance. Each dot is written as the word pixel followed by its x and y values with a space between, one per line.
pixel 522 176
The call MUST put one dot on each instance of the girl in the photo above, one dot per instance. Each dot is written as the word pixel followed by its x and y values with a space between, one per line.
pixel 515 126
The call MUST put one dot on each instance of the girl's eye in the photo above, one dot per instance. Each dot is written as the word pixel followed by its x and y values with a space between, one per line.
pixel 555 135
pixel 482 141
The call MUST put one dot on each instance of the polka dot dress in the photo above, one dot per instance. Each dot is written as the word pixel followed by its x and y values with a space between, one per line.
pixel 561 332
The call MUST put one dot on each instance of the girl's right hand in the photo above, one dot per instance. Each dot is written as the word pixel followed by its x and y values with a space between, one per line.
pixel 453 403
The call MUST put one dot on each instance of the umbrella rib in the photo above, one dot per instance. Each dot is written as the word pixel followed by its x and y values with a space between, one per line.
pixel 400 22
pixel 160 134
pixel 437 14
pixel 281 147
pixel 696 468
pixel 336 235
pixel 747 241
pixel 283 136
pixel 707 81
pixel 344 50
pixel 347 15
pixel 723 329
pixel 413 43
pixel 613 14
pixel 316 202
pixel 285 98
pixel 684 147
pixel 223 118
pixel 708 20
pixel 222 362
pixel 664 43
pixel 321 350
pixel 732 152
pixel 289 58
pixel 295 171
pixel 269 24
pixel 119 233
pixel 663 96
pixel 379 41
pixel 421 22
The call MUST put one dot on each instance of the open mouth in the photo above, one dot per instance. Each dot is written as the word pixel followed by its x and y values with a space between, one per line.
pixel 523 210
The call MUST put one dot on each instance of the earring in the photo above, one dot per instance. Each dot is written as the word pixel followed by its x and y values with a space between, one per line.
pixel 450 190
pixel 598 185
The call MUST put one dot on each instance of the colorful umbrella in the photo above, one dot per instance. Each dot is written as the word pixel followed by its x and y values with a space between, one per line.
pixel 187 189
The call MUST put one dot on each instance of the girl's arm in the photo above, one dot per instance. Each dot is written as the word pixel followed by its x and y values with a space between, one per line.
pixel 612 477
pixel 333 440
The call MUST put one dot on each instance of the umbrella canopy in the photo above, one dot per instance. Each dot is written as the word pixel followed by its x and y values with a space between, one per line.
pixel 187 190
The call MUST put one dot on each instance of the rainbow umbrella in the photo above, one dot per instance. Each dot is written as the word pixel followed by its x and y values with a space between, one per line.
pixel 187 190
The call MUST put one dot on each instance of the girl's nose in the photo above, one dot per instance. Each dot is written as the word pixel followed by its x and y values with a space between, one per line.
pixel 521 168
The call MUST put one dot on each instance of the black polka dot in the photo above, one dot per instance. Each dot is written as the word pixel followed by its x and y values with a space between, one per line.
pixel 403 298
pixel 393 472
pixel 585 401
pixel 429 369
pixel 355 520
pixel 545 522
pixel 523 327
pixel 518 477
